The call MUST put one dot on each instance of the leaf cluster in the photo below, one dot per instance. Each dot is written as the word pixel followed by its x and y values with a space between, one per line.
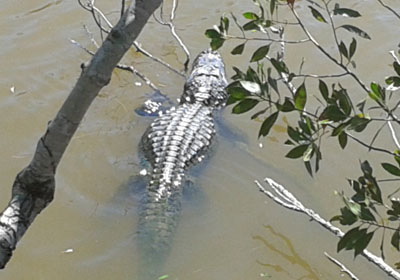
pixel 269 88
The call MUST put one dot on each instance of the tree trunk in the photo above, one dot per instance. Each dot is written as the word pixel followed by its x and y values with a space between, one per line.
pixel 34 186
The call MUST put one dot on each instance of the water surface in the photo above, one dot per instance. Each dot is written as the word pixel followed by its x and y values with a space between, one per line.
pixel 88 232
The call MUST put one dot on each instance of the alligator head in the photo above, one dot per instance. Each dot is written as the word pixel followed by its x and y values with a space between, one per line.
pixel 206 83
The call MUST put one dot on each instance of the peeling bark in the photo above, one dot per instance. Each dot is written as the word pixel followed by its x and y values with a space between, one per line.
pixel 34 186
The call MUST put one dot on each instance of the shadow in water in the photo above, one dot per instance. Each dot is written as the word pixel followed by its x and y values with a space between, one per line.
pixel 289 254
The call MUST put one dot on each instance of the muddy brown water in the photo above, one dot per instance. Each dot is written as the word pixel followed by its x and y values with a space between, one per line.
pixel 235 232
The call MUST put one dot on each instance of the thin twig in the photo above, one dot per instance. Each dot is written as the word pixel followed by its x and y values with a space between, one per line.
pixel 291 202
pixel 326 76
pixel 122 7
pixel 341 65
pixel 131 69
pixel 90 6
pixel 333 31
pixel 172 28
pixel 267 39
pixel 140 49
pixel 369 146
pixel 389 8
pixel 122 67
pixel 394 137
pixel 343 268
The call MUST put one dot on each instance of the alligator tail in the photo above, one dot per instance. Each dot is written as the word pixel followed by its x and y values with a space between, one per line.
pixel 158 221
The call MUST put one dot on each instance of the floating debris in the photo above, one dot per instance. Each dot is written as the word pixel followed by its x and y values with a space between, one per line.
pixel 68 251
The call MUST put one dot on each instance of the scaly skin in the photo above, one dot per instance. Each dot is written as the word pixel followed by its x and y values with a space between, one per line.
pixel 173 143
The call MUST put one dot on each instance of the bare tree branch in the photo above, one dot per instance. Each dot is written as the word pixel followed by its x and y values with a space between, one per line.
pixel 140 49
pixel 286 199
pixel 389 8
pixel 125 67
pixel 343 268
pixel 171 26
pixel 96 12
pixel 34 186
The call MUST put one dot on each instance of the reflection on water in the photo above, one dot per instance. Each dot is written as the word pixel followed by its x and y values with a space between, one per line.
pixel 44 7
pixel 288 254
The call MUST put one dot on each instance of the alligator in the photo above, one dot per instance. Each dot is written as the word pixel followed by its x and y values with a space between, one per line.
pixel 174 142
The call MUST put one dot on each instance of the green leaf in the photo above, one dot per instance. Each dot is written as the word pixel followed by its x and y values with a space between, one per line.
pixel 287 106
pixel 238 49
pixel 346 12
pixel 395 241
pixel 354 208
pixel 323 88
pixel 250 15
pixel 251 25
pixel 280 66
pixel 252 76
pixel 362 242
pixel 237 93
pixel 396 67
pixel 347 241
pixel 260 53
pixel 244 106
pixel 239 75
pixel 377 93
pixel 395 211
pixel 224 23
pixel 297 152
pixel 393 80
pixel 356 30
pixel 337 130
pixel 294 134
pixel 216 43
pixel 347 218
pixel 342 140
pixel 308 153
pixel 163 277
pixel 344 101
pixel 307 164
pixel 392 169
pixel 359 123
pixel 353 48
pixel 251 87
pixel 343 50
pixel 272 6
pixel 300 98
pixel 230 100
pixel 333 113
pixel 289 142
pixel 267 124
pixel 366 214
pixel 317 15
pixel 366 168
pixel 212 33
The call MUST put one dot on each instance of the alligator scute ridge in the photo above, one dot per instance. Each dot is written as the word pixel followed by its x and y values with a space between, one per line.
pixel 175 141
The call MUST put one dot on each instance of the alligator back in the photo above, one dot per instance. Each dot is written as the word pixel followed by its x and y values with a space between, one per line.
pixel 174 142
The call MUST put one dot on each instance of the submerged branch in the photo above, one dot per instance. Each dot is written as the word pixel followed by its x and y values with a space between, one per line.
pixel 286 199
